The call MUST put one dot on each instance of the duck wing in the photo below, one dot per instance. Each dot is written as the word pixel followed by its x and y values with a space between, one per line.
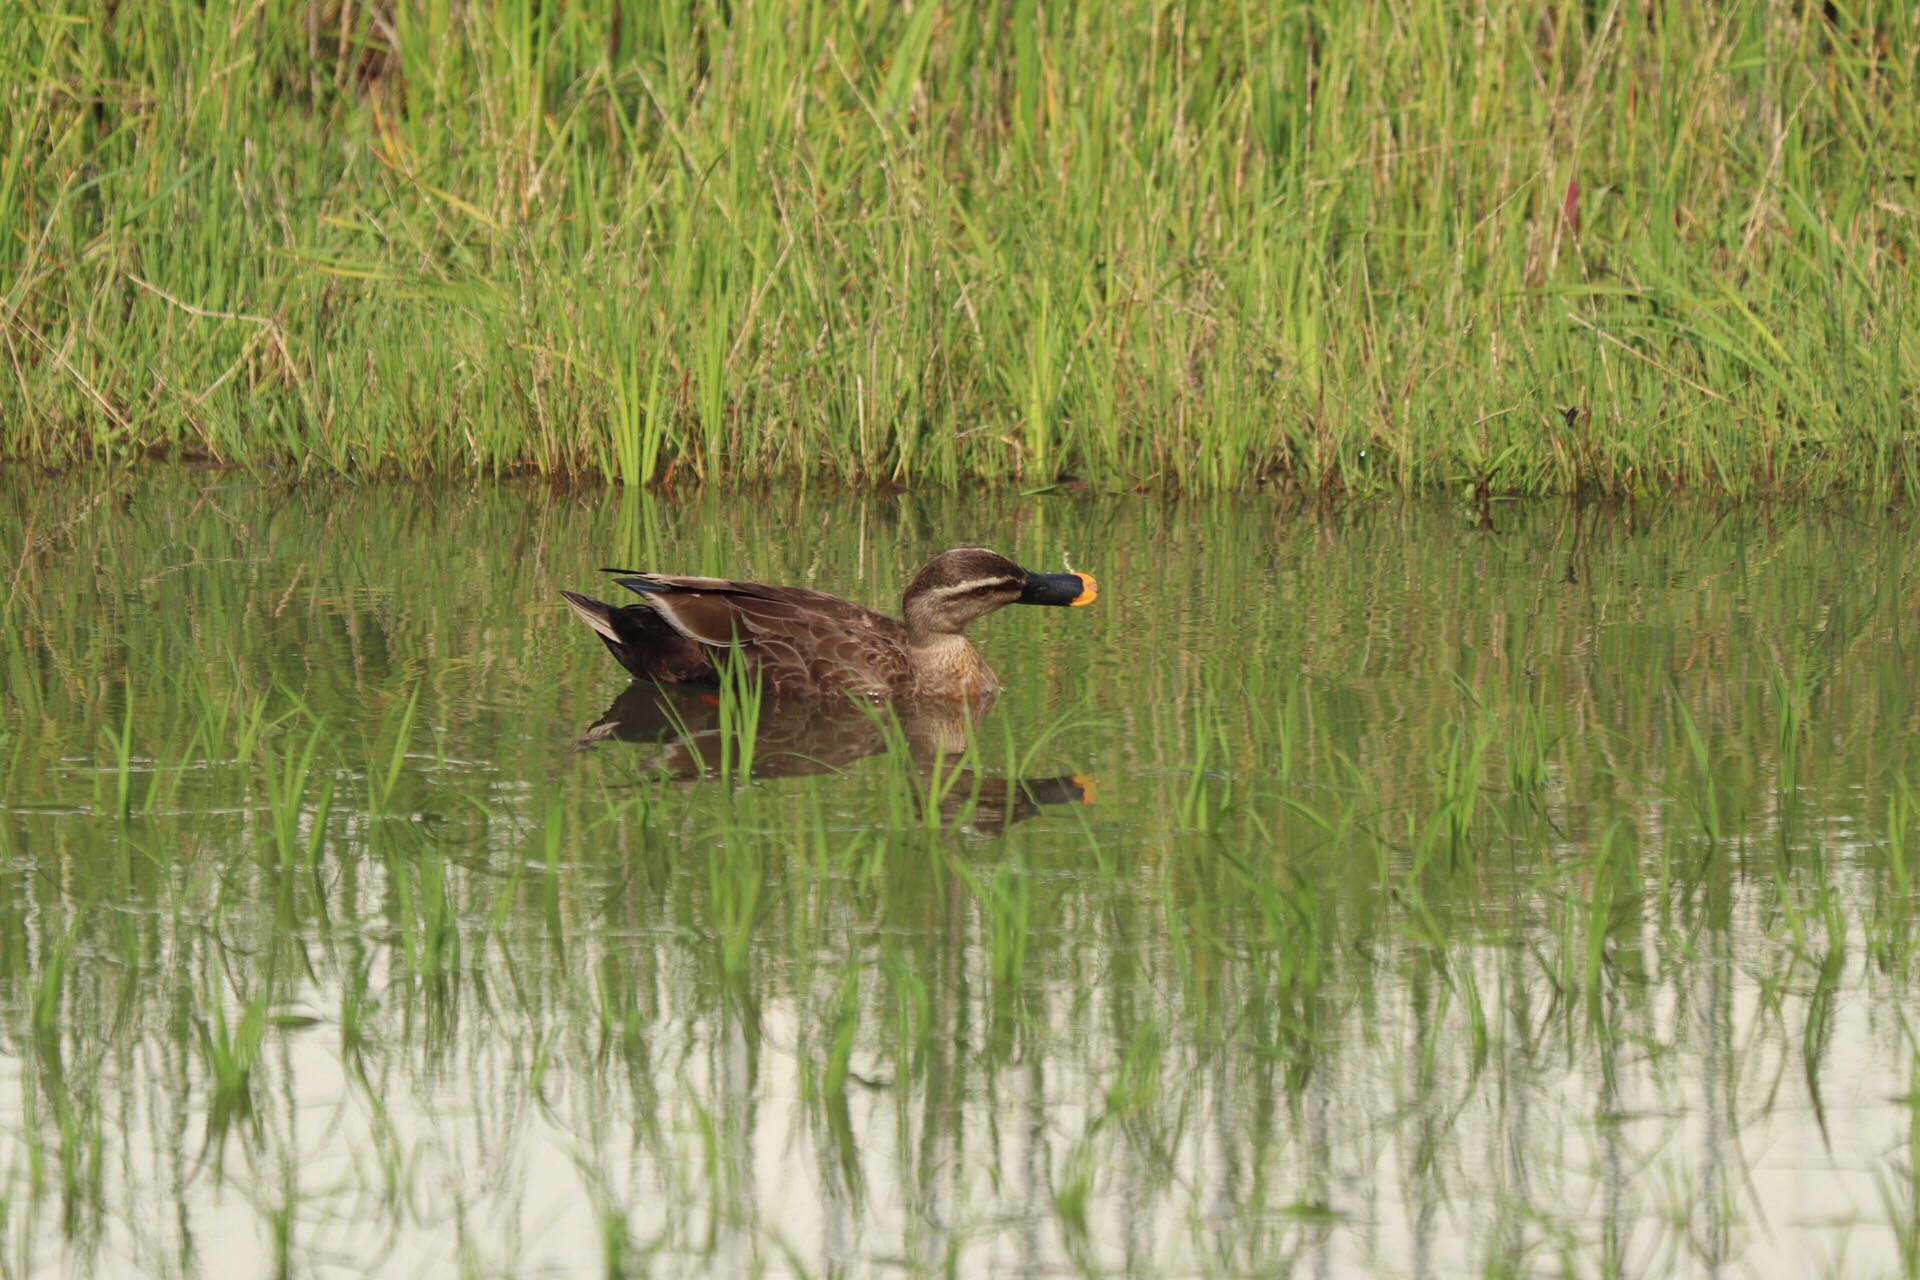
pixel 802 642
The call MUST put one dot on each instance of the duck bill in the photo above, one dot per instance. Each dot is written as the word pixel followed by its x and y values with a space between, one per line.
pixel 1072 589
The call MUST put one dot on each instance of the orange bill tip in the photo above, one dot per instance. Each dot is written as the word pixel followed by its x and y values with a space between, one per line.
pixel 1085 784
pixel 1089 590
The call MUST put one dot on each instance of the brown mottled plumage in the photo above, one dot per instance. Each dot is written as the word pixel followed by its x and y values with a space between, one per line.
pixel 807 643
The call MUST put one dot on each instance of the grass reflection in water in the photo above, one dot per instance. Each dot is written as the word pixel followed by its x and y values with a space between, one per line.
pixel 1507 899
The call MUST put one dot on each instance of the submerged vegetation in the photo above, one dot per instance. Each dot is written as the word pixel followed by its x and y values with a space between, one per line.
pixel 1516 247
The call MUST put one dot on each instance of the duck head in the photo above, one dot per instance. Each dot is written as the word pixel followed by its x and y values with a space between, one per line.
pixel 957 586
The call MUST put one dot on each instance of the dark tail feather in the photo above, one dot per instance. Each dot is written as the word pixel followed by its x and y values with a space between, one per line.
pixel 642 641
pixel 634 580
pixel 597 614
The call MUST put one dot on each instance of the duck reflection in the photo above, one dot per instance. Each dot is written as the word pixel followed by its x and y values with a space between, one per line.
pixel 797 737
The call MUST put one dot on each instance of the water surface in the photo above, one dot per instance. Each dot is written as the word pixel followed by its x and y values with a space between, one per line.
pixel 1394 890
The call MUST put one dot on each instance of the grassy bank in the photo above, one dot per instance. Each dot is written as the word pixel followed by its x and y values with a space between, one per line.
pixel 1517 247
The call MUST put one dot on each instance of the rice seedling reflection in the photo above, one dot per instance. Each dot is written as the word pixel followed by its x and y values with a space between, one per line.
pixel 930 751
pixel 1395 940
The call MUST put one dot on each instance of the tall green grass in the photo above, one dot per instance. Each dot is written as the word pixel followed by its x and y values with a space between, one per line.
pixel 1506 247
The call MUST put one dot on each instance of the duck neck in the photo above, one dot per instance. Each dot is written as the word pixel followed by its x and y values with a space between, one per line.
pixel 945 665
pixel 937 646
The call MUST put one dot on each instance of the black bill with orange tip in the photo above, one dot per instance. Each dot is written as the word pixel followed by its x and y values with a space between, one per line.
pixel 1073 589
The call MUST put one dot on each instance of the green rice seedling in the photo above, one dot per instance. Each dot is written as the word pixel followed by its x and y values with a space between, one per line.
pixel 1208 796
pixel 49 987
pixel 622 811
pixel 383 778
pixel 689 739
pixel 1186 923
pixel 1792 699
pixel 120 743
pixel 1021 753
pixel 823 855
pixel 249 724
pixel 14 749
pixel 949 794
pixel 712 1164
pixel 1887 921
pixel 1073 1187
pixel 1292 943
pixel 1008 904
pixel 1004 901
pixel 1899 1185
pixel 1461 769
pixel 552 835
pixel 1136 1086
pixel 910 1012
pixel 1481 1027
pixel 1902 809
pixel 1526 747
pixel 430 929
pixel 79 1148
pixel 1889 938
pixel 1705 799
pixel 357 1006
pixel 929 792
pixel 832 1090
pixel 280 1220
pixel 288 780
pixel 1817 1032
pixel 737 895
pixel 741 696
pixel 1611 871
pixel 1285 730
pixel 230 1053
pixel 619 1258
pixel 845 1026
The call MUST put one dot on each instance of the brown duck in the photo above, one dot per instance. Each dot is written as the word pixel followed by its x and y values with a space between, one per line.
pixel 805 643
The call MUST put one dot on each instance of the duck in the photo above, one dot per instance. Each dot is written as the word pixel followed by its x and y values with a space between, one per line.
pixel 802 643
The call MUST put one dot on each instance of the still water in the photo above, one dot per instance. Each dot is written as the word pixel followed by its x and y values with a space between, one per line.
pixel 1385 890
